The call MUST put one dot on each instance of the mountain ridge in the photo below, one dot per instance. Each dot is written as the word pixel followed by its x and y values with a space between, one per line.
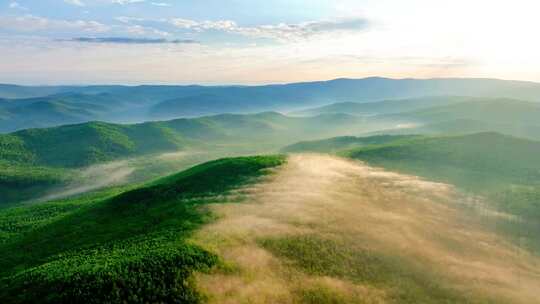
pixel 157 102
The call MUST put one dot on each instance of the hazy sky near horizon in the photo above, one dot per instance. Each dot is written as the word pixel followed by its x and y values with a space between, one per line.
pixel 249 42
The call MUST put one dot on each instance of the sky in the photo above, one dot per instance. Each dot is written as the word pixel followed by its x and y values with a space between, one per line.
pixel 255 42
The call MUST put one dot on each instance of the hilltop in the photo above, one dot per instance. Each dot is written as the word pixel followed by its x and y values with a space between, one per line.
pixel 89 143
pixel 36 161
pixel 113 247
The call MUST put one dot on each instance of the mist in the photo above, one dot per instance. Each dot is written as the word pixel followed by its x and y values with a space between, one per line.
pixel 93 178
pixel 421 224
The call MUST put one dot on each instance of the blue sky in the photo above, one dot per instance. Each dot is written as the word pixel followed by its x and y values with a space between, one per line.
pixel 239 41
pixel 207 21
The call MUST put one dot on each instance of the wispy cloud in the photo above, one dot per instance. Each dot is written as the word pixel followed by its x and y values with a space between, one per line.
pixel 283 32
pixel 124 2
pixel 30 23
pixel 280 32
pixel 125 19
pixel 75 2
pixel 199 26
pixel 163 4
pixel 144 30
pixel 17 5
pixel 129 40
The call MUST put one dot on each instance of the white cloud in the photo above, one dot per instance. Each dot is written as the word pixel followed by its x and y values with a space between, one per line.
pixel 222 25
pixel 125 19
pixel 16 5
pixel 29 23
pixel 143 30
pixel 124 2
pixel 294 32
pixel 284 32
pixel 75 2
pixel 161 4
pixel 280 32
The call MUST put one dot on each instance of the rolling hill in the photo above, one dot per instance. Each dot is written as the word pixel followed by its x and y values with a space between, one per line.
pixel 508 116
pixel 89 143
pixel 503 170
pixel 65 108
pixel 489 163
pixel 119 246
pixel 316 228
pixel 36 161
pixel 483 160
pixel 385 106
pixel 337 144
pixel 501 110
pixel 140 103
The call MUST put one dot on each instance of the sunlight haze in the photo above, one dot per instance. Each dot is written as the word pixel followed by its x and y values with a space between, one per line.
pixel 252 42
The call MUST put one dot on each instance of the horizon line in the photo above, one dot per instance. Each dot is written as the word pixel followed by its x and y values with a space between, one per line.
pixel 277 83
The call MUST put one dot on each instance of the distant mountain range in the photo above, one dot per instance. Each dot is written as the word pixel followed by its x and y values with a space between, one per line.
pixel 385 106
pixel 32 155
pixel 444 115
pixel 24 107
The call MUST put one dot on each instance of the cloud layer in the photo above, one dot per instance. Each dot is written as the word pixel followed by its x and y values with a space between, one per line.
pixel 281 32
pixel 129 40
pixel 31 23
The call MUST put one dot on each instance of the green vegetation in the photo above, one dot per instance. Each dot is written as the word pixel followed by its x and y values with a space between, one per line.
pixel 54 110
pixel 504 169
pixel 44 158
pixel 407 282
pixel 492 110
pixel 118 246
pixel 95 142
pixel 337 144
pixel 20 182
pixel 513 117
pixel 386 106
pixel 483 161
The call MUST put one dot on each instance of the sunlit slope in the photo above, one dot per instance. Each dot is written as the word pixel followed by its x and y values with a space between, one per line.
pixel 330 230
pixel 113 248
